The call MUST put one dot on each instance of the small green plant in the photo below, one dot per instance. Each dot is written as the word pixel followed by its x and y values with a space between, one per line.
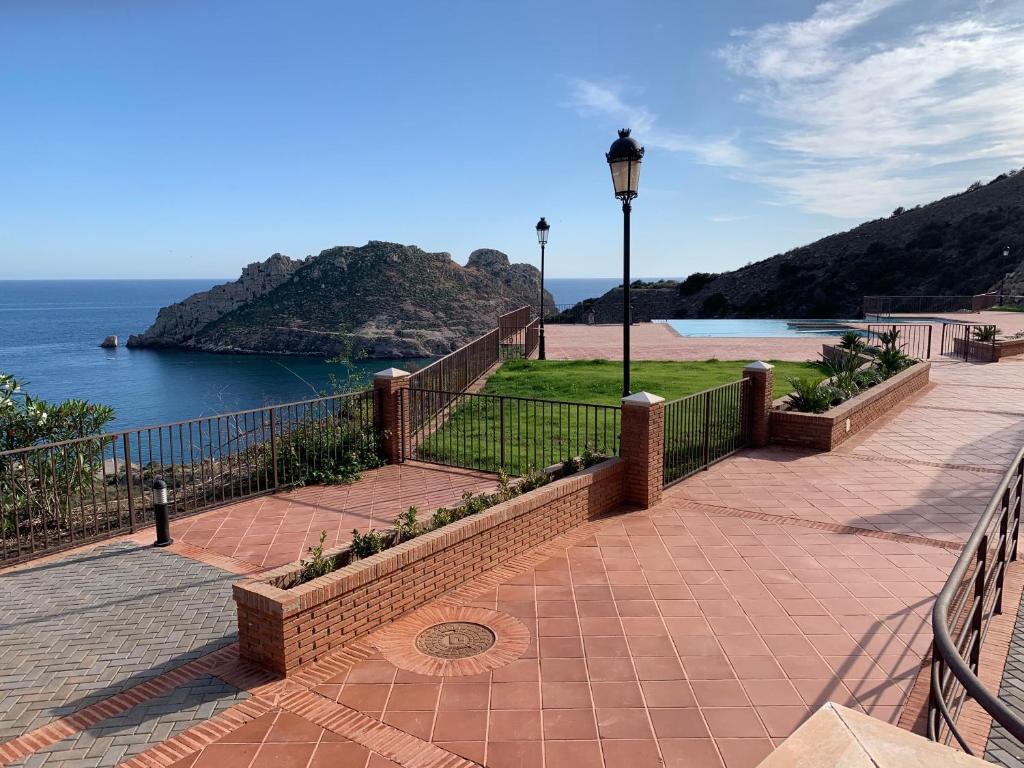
pixel 407 526
pixel 442 516
pixel 890 358
pixel 852 341
pixel 810 396
pixel 366 544
pixel 986 333
pixel 318 564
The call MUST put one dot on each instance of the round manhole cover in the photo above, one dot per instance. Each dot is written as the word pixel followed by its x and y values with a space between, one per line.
pixel 455 640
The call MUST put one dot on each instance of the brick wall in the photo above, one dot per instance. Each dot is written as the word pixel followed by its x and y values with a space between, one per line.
pixel 282 629
pixel 1009 348
pixel 642 445
pixel 825 431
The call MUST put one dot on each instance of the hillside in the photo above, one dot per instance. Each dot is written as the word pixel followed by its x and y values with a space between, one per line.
pixel 383 300
pixel 950 247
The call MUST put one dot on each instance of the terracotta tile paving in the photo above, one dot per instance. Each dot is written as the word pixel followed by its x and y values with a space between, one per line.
pixel 281 739
pixel 274 530
pixel 672 634
pixel 700 632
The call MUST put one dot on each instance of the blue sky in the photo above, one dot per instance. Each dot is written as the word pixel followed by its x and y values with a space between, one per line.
pixel 147 139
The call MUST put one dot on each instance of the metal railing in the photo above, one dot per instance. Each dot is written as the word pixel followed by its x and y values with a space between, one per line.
pixel 58 495
pixel 704 428
pixel 495 432
pixel 959 340
pixel 518 334
pixel 962 616
pixel 914 339
pixel 459 369
pixel 909 305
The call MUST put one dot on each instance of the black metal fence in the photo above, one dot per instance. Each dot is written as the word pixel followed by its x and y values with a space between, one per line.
pixel 972 595
pixel 60 495
pixel 494 432
pixel 704 428
pixel 909 305
pixel 458 370
pixel 969 342
pixel 914 339
pixel 518 334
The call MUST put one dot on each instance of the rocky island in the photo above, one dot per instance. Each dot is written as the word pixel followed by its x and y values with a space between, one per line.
pixel 381 300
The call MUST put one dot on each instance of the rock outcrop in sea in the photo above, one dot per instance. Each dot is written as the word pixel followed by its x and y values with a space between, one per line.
pixel 381 300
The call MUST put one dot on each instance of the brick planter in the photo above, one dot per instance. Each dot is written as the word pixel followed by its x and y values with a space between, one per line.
pixel 284 628
pixel 825 431
pixel 1009 348
pixel 976 351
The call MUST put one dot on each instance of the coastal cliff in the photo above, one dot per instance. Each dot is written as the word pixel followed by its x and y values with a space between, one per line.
pixel 381 300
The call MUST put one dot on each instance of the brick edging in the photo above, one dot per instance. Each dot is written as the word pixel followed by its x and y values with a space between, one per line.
pixel 67 726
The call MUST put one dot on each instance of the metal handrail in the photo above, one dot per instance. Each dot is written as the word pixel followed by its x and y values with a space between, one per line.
pixel 981 583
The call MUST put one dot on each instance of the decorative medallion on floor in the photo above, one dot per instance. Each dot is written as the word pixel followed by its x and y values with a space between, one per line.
pixel 453 640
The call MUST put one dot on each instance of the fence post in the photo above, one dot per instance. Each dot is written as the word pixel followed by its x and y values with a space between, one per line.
pixel 762 381
pixel 642 445
pixel 391 412
pixel 128 480
pixel 501 432
pixel 273 446
pixel 929 342
pixel 978 617
pixel 706 437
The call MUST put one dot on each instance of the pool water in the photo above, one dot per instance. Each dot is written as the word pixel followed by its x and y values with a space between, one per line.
pixel 746 328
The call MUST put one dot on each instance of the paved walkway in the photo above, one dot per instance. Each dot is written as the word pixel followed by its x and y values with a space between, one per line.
pixel 273 530
pixel 657 341
pixel 700 632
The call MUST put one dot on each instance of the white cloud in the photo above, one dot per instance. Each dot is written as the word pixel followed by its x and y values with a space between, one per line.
pixel 592 97
pixel 865 116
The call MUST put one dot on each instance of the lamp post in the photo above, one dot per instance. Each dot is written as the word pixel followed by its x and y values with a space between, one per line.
pixel 542 238
pixel 624 159
pixel 1002 283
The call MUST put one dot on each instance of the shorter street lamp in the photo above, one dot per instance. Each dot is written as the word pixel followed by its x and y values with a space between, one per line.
pixel 542 238
pixel 624 159
pixel 1002 283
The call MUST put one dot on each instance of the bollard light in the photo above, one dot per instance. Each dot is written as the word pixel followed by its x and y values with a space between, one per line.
pixel 160 514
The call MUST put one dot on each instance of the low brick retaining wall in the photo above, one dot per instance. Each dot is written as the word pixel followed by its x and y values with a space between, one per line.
pixel 284 628
pixel 825 431
pixel 1009 348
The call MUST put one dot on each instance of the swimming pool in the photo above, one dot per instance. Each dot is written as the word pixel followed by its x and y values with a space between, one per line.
pixel 746 328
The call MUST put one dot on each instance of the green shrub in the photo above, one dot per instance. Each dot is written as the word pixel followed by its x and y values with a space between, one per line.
pixel 407 526
pixel 810 396
pixel 986 333
pixel 852 341
pixel 318 565
pixel 366 544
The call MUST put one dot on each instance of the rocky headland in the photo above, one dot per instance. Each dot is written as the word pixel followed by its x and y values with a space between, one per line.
pixel 380 300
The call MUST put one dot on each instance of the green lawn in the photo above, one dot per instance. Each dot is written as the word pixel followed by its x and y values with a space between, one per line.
pixel 501 429
pixel 600 381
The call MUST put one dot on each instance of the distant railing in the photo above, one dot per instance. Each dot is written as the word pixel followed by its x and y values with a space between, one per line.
pixel 959 340
pixel 58 495
pixel 494 432
pixel 704 428
pixel 458 370
pixel 909 305
pixel 518 334
pixel 963 612
pixel 915 339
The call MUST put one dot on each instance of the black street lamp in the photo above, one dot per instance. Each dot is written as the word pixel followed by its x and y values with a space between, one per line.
pixel 542 238
pixel 624 159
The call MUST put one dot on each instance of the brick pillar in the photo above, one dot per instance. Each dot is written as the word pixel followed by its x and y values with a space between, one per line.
pixel 391 412
pixel 642 445
pixel 759 402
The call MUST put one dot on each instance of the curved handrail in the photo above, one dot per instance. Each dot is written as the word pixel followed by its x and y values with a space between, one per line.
pixel 1005 510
